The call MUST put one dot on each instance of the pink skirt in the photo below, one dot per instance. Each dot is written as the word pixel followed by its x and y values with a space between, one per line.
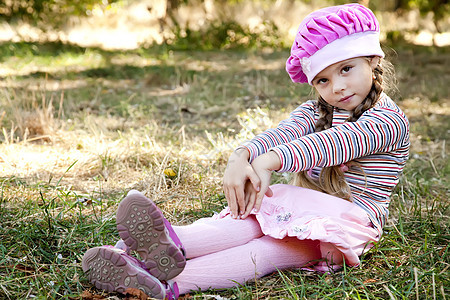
pixel 342 228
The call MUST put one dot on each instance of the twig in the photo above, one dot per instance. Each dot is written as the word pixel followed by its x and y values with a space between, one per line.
pixel 434 168
pixel 434 286
pixel 25 140
pixel 389 292
pixel 417 283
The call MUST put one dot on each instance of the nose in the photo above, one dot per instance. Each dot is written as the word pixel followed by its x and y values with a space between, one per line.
pixel 338 84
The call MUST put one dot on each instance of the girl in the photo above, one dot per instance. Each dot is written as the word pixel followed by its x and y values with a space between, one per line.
pixel 346 150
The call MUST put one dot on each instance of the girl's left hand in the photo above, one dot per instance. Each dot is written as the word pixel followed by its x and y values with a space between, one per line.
pixel 250 199
pixel 263 165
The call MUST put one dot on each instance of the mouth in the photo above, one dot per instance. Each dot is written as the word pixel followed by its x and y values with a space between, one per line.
pixel 346 99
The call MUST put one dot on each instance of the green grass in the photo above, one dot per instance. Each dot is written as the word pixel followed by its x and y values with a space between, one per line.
pixel 113 121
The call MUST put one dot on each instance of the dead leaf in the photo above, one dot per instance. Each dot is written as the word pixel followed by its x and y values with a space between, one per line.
pixel 136 294
pixel 170 172
pixel 370 280
pixel 86 295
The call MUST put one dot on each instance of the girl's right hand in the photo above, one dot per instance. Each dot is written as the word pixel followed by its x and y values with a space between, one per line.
pixel 237 173
pixel 263 166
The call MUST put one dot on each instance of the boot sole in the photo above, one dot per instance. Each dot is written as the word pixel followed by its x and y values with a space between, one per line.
pixel 140 225
pixel 110 271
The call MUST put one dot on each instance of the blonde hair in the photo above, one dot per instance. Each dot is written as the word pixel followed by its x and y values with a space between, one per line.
pixel 331 179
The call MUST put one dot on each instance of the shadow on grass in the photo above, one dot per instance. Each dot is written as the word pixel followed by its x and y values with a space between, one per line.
pixel 47 49
pixel 418 67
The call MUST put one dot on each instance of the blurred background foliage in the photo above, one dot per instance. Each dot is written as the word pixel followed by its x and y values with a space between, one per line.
pixel 439 8
pixel 53 12
pixel 51 15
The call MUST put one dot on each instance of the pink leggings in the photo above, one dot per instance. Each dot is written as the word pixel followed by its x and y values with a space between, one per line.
pixel 223 253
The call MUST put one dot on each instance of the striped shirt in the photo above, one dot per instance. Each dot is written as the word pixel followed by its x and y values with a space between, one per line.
pixel 378 141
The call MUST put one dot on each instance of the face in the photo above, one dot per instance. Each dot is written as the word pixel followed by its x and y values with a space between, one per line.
pixel 347 83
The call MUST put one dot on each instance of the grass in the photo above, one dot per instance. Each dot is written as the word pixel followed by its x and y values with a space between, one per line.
pixel 80 127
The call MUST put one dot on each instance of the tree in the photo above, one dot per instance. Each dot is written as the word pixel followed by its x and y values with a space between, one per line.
pixel 439 8
pixel 45 13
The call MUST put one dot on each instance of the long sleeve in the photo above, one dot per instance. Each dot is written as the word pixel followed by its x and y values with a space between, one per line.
pixel 380 129
pixel 300 123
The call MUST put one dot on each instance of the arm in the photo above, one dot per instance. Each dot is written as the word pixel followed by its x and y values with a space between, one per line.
pixel 380 129
pixel 240 182
pixel 300 122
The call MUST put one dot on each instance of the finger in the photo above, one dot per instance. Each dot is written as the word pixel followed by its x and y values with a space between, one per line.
pixel 250 204
pixel 247 200
pixel 269 192
pixel 259 197
pixel 256 182
pixel 227 196
pixel 240 201
pixel 258 201
pixel 232 204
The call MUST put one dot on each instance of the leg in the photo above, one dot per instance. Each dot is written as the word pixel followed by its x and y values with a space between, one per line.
pixel 143 228
pixel 210 235
pixel 237 265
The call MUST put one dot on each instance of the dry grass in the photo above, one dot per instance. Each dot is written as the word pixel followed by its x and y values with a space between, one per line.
pixel 75 140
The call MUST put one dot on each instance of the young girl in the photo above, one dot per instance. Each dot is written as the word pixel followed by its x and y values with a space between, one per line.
pixel 346 150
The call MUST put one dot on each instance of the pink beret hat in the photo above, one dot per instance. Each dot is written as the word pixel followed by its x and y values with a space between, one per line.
pixel 330 35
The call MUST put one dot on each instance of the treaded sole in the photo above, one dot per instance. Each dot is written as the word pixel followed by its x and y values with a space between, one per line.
pixel 140 225
pixel 108 270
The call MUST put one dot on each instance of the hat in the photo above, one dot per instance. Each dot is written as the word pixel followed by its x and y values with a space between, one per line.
pixel 330 35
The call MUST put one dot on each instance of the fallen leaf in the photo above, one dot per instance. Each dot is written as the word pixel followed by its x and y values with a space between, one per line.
pixel 170 172
pixel 370 280
pixel 136 294
pixel 86 295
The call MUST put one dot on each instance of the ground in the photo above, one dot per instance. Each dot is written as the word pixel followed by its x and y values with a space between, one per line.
pixel 82 126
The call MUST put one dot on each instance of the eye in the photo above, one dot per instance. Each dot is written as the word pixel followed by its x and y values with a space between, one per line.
pixel 346 69
pixel 321 81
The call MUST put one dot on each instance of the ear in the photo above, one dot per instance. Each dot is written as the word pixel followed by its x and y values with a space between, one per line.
pixel 374 61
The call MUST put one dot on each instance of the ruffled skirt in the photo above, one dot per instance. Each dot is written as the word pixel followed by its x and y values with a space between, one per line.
pixel 342 228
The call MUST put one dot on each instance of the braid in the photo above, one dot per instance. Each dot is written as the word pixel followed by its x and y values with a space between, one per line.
pixel 325 120
pixel 331 179
pixel 372 97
